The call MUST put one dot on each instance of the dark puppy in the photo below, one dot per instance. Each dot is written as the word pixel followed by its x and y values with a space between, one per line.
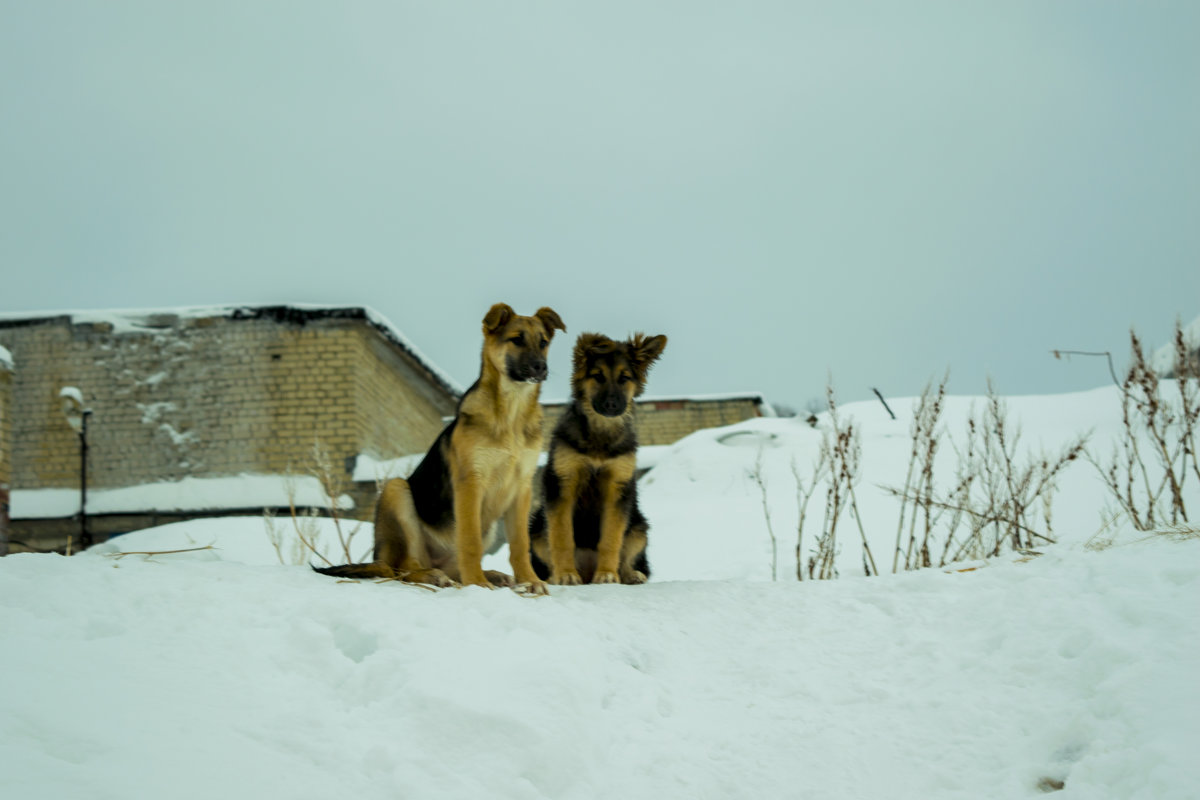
pixel 590 529
pixel 436 526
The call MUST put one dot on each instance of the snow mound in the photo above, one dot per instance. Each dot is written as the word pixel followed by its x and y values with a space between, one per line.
pixel 169 676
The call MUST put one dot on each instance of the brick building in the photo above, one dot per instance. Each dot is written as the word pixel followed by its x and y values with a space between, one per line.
pixel 200 411
pixel 210 411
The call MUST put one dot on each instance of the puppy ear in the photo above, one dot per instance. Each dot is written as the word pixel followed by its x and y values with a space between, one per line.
pixel 551 320
pixel 586 344
pixel 646 350
pixel 497 317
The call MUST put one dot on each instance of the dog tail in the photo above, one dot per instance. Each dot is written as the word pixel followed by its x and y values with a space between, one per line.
pixel 373 569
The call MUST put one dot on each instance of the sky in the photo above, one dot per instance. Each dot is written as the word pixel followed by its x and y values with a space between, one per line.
pixel 792 192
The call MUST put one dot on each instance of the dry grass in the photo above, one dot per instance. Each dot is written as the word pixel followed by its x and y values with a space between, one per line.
pixel 1150 467
pixel 299 544
pixel 998 500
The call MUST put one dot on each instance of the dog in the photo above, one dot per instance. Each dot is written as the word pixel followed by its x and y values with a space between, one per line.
pixel 435 526
pixel 590 529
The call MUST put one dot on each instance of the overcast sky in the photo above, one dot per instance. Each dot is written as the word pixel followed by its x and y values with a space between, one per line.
pixel 788 190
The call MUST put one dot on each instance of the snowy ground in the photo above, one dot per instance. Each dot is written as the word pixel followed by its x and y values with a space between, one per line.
pixel 221 673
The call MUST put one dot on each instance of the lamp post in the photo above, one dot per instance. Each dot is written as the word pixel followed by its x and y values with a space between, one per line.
pixel 77 418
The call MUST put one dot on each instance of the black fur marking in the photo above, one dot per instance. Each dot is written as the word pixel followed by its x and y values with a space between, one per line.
pixel 430 483
pixel 551 483
pixel 574 430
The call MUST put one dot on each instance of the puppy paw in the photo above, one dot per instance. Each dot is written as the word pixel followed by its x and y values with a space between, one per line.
pixel 477 580
pixel 634 577
pixel 532 589
pixel 569 578
pixel 606 577
pixel 497 578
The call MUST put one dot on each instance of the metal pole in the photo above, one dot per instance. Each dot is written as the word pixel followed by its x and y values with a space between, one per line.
pixel 85 538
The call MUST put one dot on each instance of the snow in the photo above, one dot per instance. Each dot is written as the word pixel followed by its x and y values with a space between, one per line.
pixel 705 482
pixel 73 394
pixel 186 495
pixel 223 672
pixel 6 359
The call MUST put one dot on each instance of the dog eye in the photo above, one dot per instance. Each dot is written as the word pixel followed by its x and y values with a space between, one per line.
pixel 518 340
pixel 624 379
pixel 598 377
pixel 545 343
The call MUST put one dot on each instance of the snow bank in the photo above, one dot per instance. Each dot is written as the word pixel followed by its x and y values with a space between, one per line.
pixel 706 508
pixel 6 359
pixel 186 676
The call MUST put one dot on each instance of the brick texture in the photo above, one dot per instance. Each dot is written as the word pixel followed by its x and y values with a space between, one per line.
pixel 209 396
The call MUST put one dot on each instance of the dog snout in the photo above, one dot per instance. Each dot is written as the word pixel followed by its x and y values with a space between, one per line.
pixel 610 404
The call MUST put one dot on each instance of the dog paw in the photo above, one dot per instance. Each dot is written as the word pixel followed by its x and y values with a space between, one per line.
pixel 570 578
pixel 606 577
pixel 500 579
pixel 635 577
pixel 532 589
pixel 480 580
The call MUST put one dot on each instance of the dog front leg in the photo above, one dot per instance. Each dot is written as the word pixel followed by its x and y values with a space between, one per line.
pixel 612 534
pixel 560 518
pixel 468 530
pixel 516 522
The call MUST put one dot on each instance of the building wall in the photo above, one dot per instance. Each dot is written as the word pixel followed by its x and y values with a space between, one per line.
pixel 668 421
pixel 209 396
pixel 396 411
pixel 6 381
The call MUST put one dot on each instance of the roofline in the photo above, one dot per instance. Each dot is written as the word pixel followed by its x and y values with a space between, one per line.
pixel 126 320
pixel 756 397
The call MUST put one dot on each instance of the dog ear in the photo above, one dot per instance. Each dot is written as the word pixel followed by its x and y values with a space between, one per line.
pixel 646 350
pixel 550 320
pixel 497 317
pixel 589 343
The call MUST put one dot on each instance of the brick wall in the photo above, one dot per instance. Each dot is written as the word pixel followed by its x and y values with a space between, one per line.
pixel 206 396
pixel 666 421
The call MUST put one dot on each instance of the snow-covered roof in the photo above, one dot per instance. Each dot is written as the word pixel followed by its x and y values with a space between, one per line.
pixel 235 492
pixel 155 319
pixel 754 397
pixel 6 360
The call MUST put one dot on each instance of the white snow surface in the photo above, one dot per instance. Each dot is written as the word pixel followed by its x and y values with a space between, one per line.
pixel 71 393
pixel 6 359
pixel 223 673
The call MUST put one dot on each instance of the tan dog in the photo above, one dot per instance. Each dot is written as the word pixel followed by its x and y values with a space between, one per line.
pixel 436 526
pixel 591 530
